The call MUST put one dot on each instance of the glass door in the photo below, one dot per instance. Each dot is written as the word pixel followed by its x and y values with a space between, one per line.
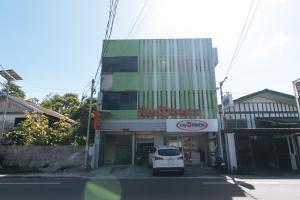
pixel 189 145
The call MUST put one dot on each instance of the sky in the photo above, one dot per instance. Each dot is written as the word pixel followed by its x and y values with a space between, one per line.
pixel 55 45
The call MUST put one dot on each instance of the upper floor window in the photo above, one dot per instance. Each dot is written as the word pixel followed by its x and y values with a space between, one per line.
pixel 120 64
pixel 119 101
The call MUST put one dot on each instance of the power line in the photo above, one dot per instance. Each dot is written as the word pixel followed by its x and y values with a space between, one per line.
pixel 243 35
pixel 148 13
pixel 109 28
pixel 251 21
pixel 240 38
pixel 138 17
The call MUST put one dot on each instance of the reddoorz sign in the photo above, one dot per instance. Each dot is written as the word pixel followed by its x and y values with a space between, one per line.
pixel 192 125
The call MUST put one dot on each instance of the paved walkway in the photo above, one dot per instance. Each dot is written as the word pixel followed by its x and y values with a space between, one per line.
pixel 142 172
pixel 128 171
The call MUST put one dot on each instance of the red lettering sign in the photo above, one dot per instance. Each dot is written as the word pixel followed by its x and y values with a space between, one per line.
pixel 164 112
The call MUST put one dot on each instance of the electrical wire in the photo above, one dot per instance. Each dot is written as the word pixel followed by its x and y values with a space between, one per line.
pixel 240 38
pixel 138 17
pixel 109 28
pixel 246 27
pixel 148 14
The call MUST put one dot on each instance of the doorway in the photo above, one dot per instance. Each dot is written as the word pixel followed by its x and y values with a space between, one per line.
pixel 192 146
pixel 117 149
pixel 143 145
pixel 282 152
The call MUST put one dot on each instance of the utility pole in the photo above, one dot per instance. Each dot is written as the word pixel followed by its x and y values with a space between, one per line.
pixel 222 107
pixel 223 125
pixel 297 97
pixel 88 126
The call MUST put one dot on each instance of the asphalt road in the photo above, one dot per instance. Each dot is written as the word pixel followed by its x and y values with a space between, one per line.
pixel 186 188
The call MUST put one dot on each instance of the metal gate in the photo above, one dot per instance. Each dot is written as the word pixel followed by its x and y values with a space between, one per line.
pixel 123 152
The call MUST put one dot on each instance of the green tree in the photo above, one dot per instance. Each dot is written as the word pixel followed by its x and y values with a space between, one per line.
pixel 13 90
pixel 70 105
pixel 81 115
pixel 66 104
pixel 33 100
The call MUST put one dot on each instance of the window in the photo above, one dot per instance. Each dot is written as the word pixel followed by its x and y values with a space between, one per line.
pixel 18 121
pixel 120 100
pixel 168 152
pixel 120 64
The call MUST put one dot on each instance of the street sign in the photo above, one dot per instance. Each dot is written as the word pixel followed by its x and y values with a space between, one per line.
pixel 227 101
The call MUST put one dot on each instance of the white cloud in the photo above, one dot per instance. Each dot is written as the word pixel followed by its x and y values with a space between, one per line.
pixel 276 40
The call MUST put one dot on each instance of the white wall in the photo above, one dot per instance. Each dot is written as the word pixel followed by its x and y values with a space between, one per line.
pixel 9 120
pixel 158 139
pixel 231 151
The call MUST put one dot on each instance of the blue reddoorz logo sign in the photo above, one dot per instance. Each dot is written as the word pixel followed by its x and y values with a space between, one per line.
pixel 192 125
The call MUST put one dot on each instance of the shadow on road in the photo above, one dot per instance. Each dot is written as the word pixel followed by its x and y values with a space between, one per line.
pixel 164 188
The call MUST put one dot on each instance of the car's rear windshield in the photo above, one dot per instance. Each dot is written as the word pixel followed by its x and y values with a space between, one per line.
pixel 168 152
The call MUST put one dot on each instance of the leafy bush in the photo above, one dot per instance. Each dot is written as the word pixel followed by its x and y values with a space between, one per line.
pixel 35 130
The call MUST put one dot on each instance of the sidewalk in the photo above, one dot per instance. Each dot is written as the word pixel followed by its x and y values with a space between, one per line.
pixel 73 173
pixel 143 172
pixel 136 172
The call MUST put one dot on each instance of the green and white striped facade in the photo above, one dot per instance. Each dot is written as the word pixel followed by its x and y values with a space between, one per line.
pixel 174 74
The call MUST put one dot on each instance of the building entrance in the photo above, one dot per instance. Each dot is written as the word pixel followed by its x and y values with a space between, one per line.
pixel 193 147
pixel 143 144
pixel 117 149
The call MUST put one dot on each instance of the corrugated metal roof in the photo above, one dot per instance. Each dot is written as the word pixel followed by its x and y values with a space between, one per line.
pixel 39 109
pixel 270 94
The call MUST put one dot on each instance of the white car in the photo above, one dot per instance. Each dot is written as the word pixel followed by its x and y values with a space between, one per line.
pixel 165 159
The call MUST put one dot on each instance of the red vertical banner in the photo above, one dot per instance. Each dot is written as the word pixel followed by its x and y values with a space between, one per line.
pixel 97 119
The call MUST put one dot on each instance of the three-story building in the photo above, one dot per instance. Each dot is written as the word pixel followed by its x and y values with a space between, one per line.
pixel 157 92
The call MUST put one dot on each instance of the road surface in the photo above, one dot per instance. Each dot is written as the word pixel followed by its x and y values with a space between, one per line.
pixel 171 187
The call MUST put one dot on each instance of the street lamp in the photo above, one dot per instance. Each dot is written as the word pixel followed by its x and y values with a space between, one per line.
pixel 9 75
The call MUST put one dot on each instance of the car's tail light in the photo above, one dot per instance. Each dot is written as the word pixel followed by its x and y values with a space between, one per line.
pixel 158 158
pixel 180 158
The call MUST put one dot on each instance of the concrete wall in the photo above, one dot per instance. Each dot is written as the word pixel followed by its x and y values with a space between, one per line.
pixel 43 158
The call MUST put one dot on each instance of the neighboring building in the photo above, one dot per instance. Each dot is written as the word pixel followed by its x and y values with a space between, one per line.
pixel 155 92
pixel 16 108
pixel 262 132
